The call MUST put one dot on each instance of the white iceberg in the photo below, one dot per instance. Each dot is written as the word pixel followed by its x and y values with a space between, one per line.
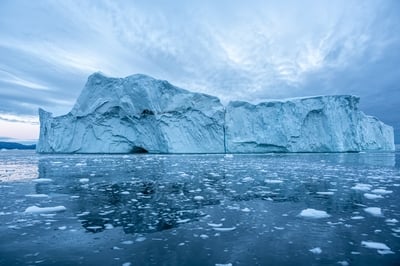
pixel 142 114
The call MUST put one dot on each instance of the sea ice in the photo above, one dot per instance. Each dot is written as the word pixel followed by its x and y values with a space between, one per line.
pixel 381 191
pixel 362 187
pixel 316 250
pixel 36 195
pixel 372 196
pixel 312 213
pixel 35 209
pixel 42 180
pixel 374 211
pixel 374 245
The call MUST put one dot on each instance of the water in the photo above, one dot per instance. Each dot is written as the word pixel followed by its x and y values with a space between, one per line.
pixel 199 209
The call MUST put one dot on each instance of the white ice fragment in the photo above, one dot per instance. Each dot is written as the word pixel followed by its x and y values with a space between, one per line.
pixel 126 264
pixel 35 209
pixel 372 196
pixel 391 221
pixel 84 180
pixel 312 213
pixel 198 198
pixel 80 164
pixel 362 187
pixel 203 236
pixel 183 221
pixel 223 264
pixel 127 242
pixel 108 226
pixel 245 210
pixel 214 225
pixel 325 193
pixel 381 191
pixel 247 179
pixel 316 250
pixel 385 252
pixel 140 239
pixel 62 227
pixel 358 217
pixel 374 211
pixel 273 181
pixel 374 245
pixel 42 180
pixel 36 195
pixel 343 263
pixel 125 193
pixel 224 229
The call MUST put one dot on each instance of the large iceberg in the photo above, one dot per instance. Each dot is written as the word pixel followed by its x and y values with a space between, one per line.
pixel 141 114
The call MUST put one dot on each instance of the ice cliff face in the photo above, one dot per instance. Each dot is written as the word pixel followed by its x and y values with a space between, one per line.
pixel 315 124
pixel 142 114
pixel 135 114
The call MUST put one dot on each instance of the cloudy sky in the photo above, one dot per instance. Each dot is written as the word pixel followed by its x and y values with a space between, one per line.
pixel 247 50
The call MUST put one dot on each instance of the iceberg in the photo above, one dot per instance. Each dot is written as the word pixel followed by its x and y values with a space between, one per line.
pixel 140 114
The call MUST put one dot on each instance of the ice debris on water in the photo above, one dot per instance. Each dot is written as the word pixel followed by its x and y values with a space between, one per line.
pixel 313 213
pixel 372 196
pixel 223 264
pixel 374 211
pixel 362 187
pixel 36 195
pixel 198 198
pixel 35 209
pixel 316 250
pixel 42 180
pixel 381 191
pixel 224 229
pixel 376 245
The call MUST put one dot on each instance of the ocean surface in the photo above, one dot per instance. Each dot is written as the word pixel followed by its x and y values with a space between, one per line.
pixel 264 209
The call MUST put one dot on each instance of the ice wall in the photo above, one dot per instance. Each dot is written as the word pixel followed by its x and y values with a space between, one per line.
pixel 142 114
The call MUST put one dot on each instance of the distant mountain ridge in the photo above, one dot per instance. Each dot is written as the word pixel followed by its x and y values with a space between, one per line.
pixel 15 145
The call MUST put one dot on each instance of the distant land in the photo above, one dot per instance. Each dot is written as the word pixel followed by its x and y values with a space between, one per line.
pixel 15 145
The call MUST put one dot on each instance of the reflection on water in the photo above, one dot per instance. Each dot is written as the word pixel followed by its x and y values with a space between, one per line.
pixel 223 209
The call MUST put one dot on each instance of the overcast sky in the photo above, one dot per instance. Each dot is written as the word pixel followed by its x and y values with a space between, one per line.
pixel 246 50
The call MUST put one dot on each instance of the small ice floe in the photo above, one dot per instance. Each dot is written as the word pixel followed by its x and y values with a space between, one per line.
pixel 229 155
pixel 374 211
pixel 224 229
pixel 126 264
pixel 82 214
pixel 223 264
pixel 358 217
pixel 362 187
pixel 62 227
pixel 381 247
pixel 214 225
pixel 273 181
pixel 381 191
pixel 108 226
pixel 316 250
pixel 391 221
pixel 36 195
pixel 84 180
pixel 42 180
pixel 198 198
pixel 35 209
pixel 247 179
pixel 343 263
pixel 127 242
pixel 182 221
pixel 245 210
pixel 325 193
pixel 203 236
pixel 125 193
pixel 80 164
pixel 140 239
pixel 372 196
pixel 312 213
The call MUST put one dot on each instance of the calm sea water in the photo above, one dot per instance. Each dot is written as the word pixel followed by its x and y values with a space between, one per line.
pixel 199 209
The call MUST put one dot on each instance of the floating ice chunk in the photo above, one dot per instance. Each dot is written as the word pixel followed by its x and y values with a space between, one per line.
pixel 273 181
pixel 374 245
pixel 245 210
pixel 343 263
pixel 127 242
pixel 229 155
pixel 84 180
pixel 198 198
pixel 325 193
pixel 374 211
pixel 125 193
pixel 362 187
pixel 357 217
pixel 35 209
pixel 312 213
pixel 203 236
pixel 224 229
pixel 126 264
pixel 42 180
pixel 385 252
pixel 316 250
pixel 140 239
pixel 108 226
pixel 226 264
pixel 214 225
pixel 381 191
pixel 183 221
pixel 80 164
pixel 391 221
pixel 36 195
pixel 62 227
pixel 372 196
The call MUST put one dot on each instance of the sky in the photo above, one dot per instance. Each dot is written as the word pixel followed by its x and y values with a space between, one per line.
pixel 236 50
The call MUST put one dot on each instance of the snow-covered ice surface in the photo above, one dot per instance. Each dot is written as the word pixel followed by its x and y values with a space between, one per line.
pixel 199 209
